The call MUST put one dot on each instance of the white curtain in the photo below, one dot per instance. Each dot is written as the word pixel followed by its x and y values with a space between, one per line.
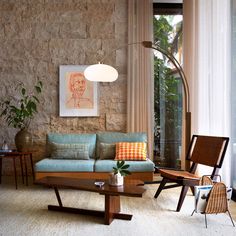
pixel 207 66
pixel 140 70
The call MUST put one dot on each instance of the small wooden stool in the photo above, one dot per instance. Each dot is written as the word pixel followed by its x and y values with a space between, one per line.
pixel 22 156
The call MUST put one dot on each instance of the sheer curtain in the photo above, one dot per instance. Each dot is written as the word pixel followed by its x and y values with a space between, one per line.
pixel 140 70
pixel 207 66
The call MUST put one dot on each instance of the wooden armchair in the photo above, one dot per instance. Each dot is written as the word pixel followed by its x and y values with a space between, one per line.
pixel 205 150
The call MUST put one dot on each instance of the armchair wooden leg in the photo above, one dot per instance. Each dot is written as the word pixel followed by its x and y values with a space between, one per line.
pixel 192 189
pixel 182 197
pixel 161 186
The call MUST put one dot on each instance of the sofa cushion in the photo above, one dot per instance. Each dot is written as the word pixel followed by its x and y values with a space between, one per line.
pixel 131 151
pixel 115 137
pixel 69 150
pixel 73 138
pixel 60 165
pixel 135 166
pixel 107 151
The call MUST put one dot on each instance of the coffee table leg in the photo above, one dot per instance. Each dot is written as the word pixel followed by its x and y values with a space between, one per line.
pixel 14 165
pixel 112 205
pixel 112 209
pixel 58 197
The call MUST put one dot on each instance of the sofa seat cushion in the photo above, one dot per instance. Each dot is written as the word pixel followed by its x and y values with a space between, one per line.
pixel 61 165
pixel 135 166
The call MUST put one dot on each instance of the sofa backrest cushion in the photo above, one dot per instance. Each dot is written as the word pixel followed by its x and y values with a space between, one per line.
pixel 72 138
pixel 78 151
pixel 107 151
pixel 127 151
pixel 115 137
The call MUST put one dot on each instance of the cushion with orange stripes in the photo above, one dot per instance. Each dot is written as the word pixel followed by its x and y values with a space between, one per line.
pixel 131 151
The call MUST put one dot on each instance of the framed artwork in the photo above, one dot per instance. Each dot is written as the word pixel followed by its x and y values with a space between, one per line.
pixel 78 96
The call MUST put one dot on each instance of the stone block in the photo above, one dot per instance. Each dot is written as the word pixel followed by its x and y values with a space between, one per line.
pixel 102 30
pixel 6 5
pixel 121 57
pixel 99 11
pixel 63 6
pixel 72 30
pixel 121 33
pixel 121 11
pixel 116 122
pixel 66 52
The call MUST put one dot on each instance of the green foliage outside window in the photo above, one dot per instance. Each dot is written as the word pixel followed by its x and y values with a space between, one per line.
pixel 167 95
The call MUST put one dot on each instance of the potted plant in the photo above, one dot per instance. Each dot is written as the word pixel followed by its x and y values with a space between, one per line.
pixel 119 172
pixel 19 110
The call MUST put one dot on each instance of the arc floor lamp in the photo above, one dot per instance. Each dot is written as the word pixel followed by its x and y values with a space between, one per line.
pixel 106 73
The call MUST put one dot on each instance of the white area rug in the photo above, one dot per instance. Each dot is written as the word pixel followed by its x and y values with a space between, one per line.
pixel 24 212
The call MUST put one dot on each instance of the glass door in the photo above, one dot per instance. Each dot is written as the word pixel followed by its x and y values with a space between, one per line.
pixel 168 104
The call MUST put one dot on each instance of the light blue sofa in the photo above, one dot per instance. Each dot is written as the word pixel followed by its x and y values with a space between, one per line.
pixel 94 167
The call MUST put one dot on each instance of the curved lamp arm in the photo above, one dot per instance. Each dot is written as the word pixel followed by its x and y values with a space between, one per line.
pixel 149 44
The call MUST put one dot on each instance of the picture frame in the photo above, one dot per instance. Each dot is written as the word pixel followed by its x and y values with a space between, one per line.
pixel 77 95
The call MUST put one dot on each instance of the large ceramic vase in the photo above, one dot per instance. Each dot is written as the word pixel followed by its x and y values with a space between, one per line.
pixel 23 140
pixel 116 179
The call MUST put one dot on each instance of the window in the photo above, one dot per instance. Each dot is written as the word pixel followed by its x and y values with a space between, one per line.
pixel 168 105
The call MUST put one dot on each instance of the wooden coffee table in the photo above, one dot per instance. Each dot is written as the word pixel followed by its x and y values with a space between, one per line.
pixel 112 195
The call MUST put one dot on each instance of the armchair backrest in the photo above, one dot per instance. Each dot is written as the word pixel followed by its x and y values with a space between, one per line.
pixel 207 150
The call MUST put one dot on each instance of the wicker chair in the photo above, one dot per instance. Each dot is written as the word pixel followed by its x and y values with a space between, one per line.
pixel 205 150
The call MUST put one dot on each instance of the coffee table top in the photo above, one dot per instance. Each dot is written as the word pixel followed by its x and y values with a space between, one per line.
pixel 130 188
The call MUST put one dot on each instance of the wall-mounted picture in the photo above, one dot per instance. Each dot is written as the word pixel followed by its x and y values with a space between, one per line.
pixel 78 96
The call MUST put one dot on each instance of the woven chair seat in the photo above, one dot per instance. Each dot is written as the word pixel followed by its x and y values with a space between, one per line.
pixel 178 175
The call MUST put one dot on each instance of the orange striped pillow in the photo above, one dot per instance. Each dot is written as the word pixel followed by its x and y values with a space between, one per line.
pixel 131 151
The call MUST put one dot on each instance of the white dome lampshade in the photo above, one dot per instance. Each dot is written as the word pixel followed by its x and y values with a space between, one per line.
pixel 101 73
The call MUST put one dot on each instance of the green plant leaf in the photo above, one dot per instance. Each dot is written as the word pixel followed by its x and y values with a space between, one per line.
pixel 40 84
pixel 125 166
pixel 38 89
pixel 33 106
pixel 120 164
pixel 23 90
pixel 36 99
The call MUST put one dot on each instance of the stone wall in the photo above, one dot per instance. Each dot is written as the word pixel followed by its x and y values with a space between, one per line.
pixel 37 36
